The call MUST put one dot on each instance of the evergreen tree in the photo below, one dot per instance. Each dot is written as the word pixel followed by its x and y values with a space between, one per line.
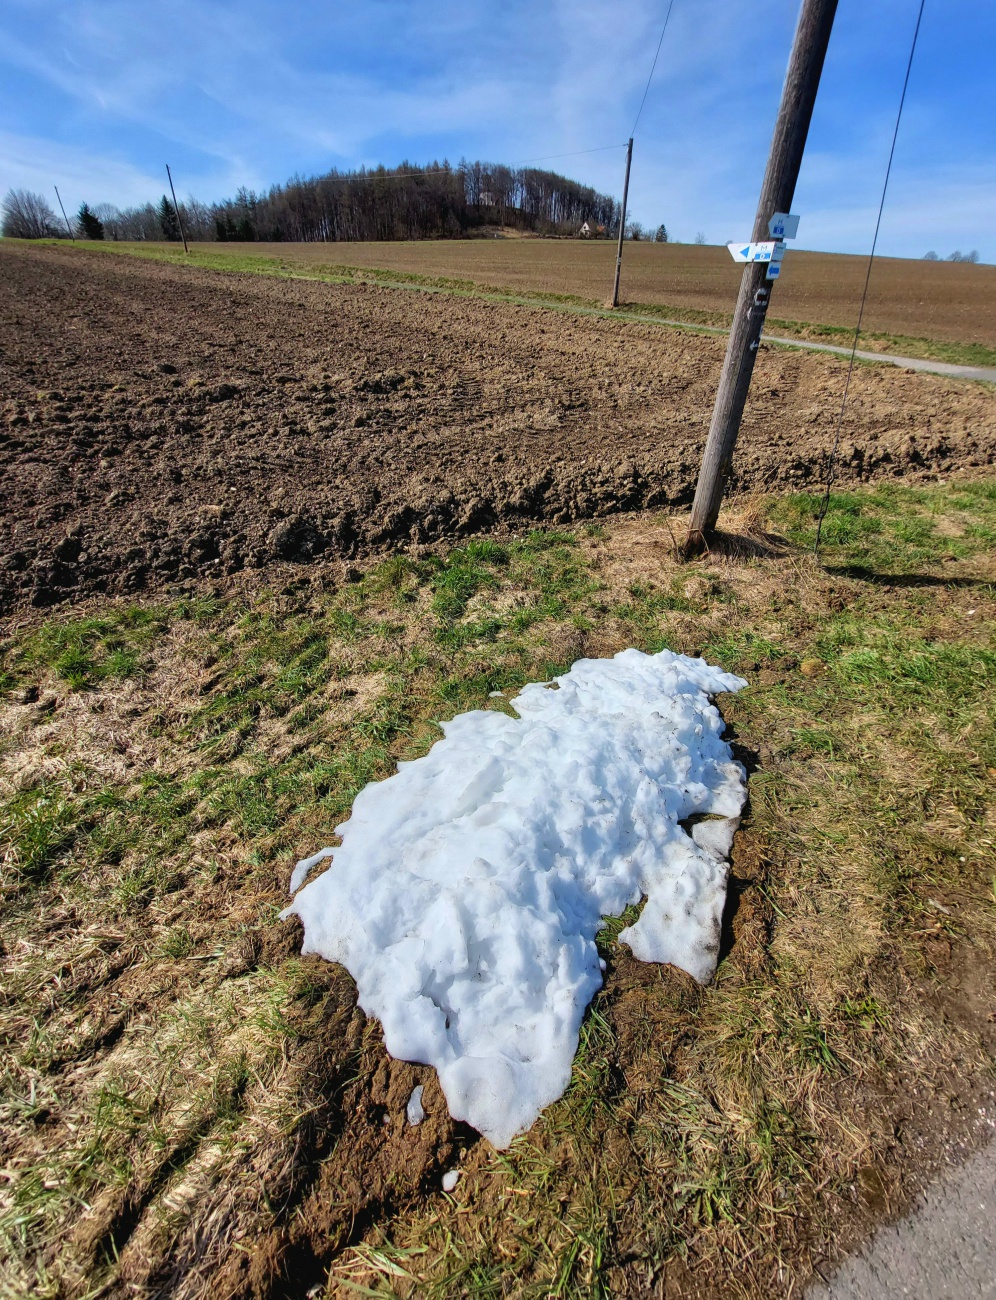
pixel 661 236
pixel 91 226
pixel 168 223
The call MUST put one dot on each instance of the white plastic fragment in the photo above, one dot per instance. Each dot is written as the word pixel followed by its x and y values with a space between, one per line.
pixel 469 887
pixel 450 1179
pixel 414 1111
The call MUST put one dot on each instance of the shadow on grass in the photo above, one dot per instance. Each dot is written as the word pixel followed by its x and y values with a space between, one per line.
pixel 864 574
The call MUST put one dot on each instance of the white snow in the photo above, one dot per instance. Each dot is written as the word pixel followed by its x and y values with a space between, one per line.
pixel 303 869
pixel 414 1110
pixel 469 887
pixel 450 1179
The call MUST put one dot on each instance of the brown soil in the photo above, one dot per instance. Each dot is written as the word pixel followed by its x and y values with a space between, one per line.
pixel 163 424
pixel 955 302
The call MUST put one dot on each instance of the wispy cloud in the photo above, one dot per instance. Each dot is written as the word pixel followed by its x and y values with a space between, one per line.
pixel 35 164
pixel 252 92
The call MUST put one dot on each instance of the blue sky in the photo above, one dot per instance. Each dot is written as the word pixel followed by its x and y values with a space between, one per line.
pixel 97 96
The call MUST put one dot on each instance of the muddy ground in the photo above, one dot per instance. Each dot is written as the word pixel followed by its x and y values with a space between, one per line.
pixel 161 425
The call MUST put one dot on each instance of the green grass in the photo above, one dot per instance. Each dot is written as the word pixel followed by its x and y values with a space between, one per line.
pixel 89 651
pixel 156 1031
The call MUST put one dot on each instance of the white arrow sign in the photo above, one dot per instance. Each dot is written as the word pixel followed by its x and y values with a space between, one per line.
pixel 762 252
pixel 783 226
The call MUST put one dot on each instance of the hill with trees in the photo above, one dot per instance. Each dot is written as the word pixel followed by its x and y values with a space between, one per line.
pixel 437 201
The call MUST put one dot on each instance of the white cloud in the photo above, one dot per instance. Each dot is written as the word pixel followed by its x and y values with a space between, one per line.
pixel 27 162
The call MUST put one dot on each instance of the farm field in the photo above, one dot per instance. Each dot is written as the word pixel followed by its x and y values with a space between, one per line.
pixel 941 300
pixel 260 536
pixel 165 424
pixel 940 309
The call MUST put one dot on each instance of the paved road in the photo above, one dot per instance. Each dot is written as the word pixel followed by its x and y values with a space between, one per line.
pixel 984 373
pixel 946 1250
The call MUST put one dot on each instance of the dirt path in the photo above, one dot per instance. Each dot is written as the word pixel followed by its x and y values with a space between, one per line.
pixel 946 1250
pixel 162 424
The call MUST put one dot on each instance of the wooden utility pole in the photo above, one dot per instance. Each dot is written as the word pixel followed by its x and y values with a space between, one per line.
pixel 176 209
pixel 622 224
pixel 64 217
pixel 802 80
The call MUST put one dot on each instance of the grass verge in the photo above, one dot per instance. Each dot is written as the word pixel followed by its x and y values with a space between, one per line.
pixel 188 1103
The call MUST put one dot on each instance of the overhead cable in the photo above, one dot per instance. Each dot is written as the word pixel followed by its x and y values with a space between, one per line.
pixel 667 19
pixel 832 459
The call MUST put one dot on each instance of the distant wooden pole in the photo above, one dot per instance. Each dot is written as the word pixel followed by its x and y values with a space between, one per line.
pixel 802 80
pixel 176 209
pixel 64 217
pixel 622 224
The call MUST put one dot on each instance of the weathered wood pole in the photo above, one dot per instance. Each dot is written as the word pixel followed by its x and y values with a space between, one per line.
pixel 802 81
pixel 622 224
pixel 176 209
pixel 64 217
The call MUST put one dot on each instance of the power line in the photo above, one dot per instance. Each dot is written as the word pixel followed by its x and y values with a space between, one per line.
pixel 602 148
pixel 831 461
pixel 667 19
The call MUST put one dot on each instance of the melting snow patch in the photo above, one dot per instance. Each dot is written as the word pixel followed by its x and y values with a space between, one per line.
pixel 450 1179
pixel 469 887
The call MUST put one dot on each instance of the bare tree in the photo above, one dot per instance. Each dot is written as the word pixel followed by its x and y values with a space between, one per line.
pixel 110 218
pixel 699 237
pixel 931 257
pixel 28 216
pixel 433 201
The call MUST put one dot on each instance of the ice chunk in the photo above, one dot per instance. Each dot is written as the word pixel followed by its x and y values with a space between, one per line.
pixel 469 887
pixel 415 1112
pixel 450 1179
pixel 716 835
pixel 303 869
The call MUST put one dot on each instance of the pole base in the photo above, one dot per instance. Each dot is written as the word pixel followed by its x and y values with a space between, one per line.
pixel 696 543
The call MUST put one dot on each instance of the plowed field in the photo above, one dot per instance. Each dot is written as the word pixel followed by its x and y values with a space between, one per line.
pixel 162 423
pixel 954 302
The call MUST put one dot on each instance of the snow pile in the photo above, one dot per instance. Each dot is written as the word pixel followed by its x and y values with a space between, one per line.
pixel 469 887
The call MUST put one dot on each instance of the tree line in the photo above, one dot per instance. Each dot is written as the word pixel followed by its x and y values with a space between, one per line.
pixel 437 201
pixel 956 256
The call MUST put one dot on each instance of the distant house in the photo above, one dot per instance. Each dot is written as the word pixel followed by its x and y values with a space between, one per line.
pixel 585 231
